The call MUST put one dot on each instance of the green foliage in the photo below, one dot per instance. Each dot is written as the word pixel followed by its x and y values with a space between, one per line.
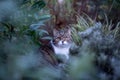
pixel 7 30
pixel 107 28
pixel 38 34
pixel 29 11
pixel 75 37
pixel 82 66
pixel 117 31
pixel 82 24
pixel 39 4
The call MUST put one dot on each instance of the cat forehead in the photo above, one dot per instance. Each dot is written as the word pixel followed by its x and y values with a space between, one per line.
pixel 61 31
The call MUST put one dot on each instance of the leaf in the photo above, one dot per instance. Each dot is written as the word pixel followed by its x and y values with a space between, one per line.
pixel 44 17
pixel 36 26
pixel 47 38
pixel 38 4
pixel 41 32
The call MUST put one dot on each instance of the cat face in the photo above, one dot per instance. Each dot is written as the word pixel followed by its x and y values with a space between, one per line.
pixel 62 38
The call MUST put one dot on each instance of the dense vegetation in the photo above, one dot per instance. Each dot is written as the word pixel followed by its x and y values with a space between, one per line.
pixel 26 27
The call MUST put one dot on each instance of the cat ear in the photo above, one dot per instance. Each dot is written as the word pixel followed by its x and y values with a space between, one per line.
pixel 69 31
pixel 55 32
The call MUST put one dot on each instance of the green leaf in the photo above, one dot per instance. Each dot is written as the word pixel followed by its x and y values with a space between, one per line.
pixel 39 4
pixel 44 17
pixel 41 32
pixel 37 26
pixel 47 38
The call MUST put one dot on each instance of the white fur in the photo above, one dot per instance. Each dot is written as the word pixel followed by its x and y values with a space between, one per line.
pixel 61 51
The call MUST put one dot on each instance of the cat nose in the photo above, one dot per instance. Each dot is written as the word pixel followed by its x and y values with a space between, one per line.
pixel 62 42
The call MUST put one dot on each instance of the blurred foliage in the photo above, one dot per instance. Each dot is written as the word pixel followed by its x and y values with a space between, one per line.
pixel 28 12
pixel 81 67
pixel 97 8
pixel 83 23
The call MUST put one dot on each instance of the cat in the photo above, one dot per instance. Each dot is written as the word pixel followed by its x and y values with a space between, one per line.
pixel 57 28
pixel 62 41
